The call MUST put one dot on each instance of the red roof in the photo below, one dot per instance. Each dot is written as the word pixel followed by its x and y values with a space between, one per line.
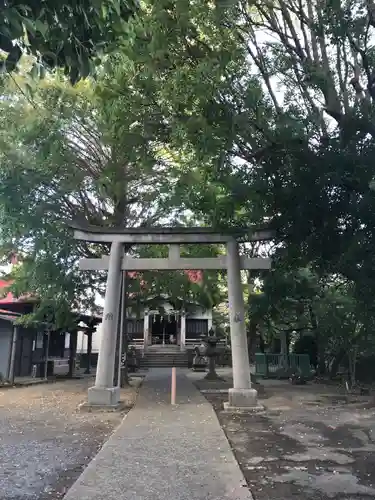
pixel 4 314
pixel 10 298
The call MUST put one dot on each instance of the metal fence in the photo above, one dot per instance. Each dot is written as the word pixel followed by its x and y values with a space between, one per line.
pixel 282 365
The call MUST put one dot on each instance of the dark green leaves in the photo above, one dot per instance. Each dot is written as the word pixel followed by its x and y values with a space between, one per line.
pixel 67 37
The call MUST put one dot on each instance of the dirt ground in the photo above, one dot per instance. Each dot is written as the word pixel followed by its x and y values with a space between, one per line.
pixel 45 442
pixel 308 444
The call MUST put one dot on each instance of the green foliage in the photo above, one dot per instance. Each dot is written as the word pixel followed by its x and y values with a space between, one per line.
pixel 250 151
pixel 176 284
pixel 198 116
pixel 70 36
pixel 71 152
pixel 297 154
pixel 282 305
pixel 187 65
pixel 63 155
pixel 319 314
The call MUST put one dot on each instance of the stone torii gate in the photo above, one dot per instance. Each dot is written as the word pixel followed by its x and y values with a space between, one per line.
pixel 103 393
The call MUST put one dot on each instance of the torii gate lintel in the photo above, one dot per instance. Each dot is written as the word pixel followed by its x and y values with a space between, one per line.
pixel 173 264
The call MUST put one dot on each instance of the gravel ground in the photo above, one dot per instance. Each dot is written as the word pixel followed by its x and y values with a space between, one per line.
pixel 45 442
pixel 309 444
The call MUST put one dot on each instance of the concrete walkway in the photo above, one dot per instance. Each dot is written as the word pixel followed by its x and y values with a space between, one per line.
pixel 164 452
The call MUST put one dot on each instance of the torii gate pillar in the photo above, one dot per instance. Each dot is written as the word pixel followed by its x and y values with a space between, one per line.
pixel 103 393
pixel 241 396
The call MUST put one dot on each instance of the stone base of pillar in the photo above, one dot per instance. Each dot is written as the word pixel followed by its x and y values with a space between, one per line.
pixel 103 396
pixel 242 400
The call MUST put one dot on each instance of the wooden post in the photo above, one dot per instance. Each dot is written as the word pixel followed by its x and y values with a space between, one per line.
pixel 89 350
pixel 46 354
pixel 173 386
pixel 183 330
pixel 72 352
pixel 146 327
pixel 13 355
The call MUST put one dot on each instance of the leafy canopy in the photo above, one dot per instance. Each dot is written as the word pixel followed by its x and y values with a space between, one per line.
pixel 65 34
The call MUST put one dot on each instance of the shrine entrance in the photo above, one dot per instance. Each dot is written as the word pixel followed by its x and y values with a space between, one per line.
pixel 164 329
pixel 157 329
pixel 103 393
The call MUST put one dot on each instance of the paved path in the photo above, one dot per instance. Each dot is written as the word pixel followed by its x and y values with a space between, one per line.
pixel 164 452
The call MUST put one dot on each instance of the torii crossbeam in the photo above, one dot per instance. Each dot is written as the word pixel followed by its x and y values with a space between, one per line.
pixel 172 263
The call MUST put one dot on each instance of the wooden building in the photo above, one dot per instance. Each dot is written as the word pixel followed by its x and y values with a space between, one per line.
pixel 24 350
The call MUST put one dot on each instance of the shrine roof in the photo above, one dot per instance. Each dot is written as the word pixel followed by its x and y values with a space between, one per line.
pixel 9 303
pixel 9 316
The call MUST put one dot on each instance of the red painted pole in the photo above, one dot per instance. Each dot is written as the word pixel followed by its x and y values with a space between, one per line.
pixel 173 387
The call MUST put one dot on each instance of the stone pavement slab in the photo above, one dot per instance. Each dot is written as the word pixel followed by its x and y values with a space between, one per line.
pixel 164 452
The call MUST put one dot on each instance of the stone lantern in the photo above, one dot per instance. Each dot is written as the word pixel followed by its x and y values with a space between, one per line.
pixel 199 363
pixel 211 353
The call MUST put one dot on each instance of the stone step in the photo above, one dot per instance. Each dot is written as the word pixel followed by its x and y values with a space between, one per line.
pixel 166 359
pixel 164 365
pixel 165 353
pixel 164 356
pixel 163 348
